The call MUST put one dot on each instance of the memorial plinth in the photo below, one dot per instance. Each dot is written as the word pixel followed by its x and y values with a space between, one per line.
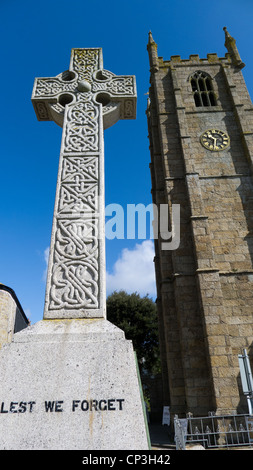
pixel 71 381
pixel 70 384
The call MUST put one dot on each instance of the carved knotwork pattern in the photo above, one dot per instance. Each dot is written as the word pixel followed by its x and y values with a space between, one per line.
pixel 82 127
pixel 42 111
pixel 74 285
pixel 84 167
pixel 75 270
pixel 129 110
pixel 75 273
pixel 115 86
pixel 76 260
pixel 54 86
pixel 79 187
pixel 85 62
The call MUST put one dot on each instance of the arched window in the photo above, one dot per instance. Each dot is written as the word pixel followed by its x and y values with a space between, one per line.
pixel 202 89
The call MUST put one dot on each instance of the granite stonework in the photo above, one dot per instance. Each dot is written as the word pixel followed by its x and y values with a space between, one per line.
pixel 205 287
pixel 12 316
pixel 84 100
pixel 70 384
pixel 71 381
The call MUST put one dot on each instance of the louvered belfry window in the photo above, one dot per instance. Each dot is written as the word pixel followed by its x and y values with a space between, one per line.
pixel 202 89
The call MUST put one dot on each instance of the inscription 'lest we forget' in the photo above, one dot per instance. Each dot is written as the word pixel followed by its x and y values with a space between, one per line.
pixel 58 406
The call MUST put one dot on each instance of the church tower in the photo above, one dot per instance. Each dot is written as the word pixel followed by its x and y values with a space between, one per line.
pixel 200 120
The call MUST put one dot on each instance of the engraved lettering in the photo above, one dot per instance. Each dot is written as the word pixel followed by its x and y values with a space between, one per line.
pixel 55 406
pixel 2 408
pixel 17 407
pixel 112 404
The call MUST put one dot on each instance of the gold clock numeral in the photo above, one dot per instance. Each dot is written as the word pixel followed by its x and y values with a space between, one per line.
pixel 214 140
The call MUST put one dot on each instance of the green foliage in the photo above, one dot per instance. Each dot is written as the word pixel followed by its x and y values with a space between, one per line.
pixel 137 317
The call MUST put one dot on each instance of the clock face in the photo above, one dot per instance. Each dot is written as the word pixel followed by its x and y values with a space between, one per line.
pixel 215 140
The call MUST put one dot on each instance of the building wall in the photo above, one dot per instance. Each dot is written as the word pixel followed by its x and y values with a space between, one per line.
pixel 12 317
pixel 205 287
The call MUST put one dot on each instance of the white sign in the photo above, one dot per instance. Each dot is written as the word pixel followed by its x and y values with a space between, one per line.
pixel 166 415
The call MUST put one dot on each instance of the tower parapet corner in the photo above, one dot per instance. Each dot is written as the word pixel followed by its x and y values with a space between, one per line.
pixel 152 51
pixel 230 44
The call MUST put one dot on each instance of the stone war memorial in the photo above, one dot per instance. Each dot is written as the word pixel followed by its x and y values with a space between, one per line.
pixel 70 381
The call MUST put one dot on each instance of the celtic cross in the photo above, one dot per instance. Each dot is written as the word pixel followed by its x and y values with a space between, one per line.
pixel 83 101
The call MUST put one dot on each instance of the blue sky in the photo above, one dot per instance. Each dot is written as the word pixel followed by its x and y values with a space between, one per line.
pixel 36 40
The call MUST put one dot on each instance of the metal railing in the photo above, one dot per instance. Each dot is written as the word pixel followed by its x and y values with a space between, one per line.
pixel 213 431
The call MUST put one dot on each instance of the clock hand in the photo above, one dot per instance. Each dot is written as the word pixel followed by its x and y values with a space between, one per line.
pixel 210 136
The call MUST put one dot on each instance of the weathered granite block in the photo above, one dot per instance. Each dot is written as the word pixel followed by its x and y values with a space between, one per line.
pixel 12 316
pixel 70 384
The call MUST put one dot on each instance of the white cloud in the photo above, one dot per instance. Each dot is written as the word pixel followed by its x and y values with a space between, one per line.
pixel 134 271
pixel 46 256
